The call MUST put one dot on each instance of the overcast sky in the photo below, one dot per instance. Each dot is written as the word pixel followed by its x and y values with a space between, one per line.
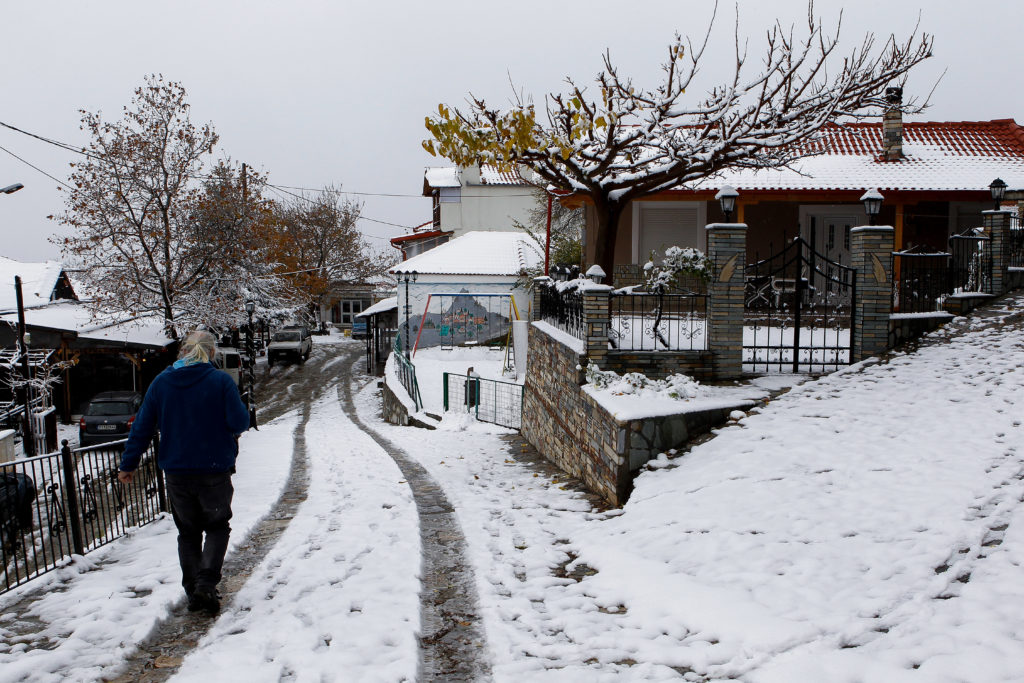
pixel 318 93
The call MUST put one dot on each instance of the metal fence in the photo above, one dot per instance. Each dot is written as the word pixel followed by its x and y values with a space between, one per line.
pixel 658 322
pixel 407 373
pixel 488 400
pixel 71 502
pixel 921 281
pixel 1015 244
pixel 562 308
pixel 971 262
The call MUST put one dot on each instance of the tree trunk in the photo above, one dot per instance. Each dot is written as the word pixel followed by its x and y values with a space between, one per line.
pixel 605 238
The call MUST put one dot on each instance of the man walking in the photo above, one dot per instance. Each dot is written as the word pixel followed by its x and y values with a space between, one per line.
pixel 200 415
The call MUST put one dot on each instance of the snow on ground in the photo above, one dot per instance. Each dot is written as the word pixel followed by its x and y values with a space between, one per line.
pixel 863 527
pixel 339 592
pixel 846 533
pixel 98 607
pixel 518 527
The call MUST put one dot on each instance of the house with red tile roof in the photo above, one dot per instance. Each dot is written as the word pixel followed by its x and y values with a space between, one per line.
pixel 934 178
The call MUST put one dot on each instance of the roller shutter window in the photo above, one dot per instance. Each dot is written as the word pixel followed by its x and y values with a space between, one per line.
pixel 661 228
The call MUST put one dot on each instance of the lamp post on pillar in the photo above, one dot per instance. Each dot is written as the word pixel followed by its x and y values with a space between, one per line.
pixel 998 190
pixel 872 200
pixel 727 198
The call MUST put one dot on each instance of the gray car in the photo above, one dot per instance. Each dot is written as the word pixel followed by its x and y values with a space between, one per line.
pixel 108 417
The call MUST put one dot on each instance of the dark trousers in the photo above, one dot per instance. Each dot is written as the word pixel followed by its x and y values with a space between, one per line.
pixel 201 503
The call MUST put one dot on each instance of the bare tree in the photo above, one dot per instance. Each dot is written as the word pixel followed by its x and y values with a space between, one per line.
pixel 134 205
pixel 629 142
pixel 321 247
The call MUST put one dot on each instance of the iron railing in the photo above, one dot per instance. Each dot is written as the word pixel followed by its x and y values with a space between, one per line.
pixel 658 322
pixel 562 308
pixel 70 502
pixel 1015 244
pixel 488 400
pixel 407 373
pixel 921 281
pixel 971 262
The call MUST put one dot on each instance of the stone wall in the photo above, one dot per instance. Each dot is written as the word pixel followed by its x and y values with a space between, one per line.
pixel 395 411
pixel 572 430
pixel 565 424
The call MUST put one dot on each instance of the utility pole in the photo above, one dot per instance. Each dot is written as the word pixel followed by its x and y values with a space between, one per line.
pixel 245 187
pixel 27 442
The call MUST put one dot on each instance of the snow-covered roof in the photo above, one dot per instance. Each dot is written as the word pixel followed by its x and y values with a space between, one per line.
pixel 38 280
pixel 477 253
pixel 491 175
pixel 446 176
pixel 74 316
pixel 449 176
pixel 389 304
pixel 937 156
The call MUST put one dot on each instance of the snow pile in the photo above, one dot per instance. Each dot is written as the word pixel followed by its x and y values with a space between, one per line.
pixel 678 387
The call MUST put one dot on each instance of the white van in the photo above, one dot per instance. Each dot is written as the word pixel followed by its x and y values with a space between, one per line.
pixel 230 361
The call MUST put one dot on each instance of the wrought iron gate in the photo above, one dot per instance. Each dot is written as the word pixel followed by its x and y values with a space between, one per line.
pixel 798 312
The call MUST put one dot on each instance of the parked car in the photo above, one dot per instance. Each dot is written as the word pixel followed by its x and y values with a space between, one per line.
pixel 230 361
pixel 291 342
pixel 17 491
pixel 108 417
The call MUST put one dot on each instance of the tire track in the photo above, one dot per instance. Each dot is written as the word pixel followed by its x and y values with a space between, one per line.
pixel 452 643
pixel 161 654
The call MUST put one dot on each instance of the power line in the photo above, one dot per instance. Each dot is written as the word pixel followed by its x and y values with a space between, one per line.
pixel 36 168
pixel 280 190
pixel 77 150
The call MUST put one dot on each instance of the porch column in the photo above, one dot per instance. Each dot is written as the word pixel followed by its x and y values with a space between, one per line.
pixel 727 250
pixel 596 318
pixel 871 255
pixel 997 226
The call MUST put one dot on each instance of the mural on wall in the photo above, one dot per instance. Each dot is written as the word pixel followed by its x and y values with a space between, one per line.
pixel 464 319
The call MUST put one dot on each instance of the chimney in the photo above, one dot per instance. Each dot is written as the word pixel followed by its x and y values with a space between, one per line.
pixel 892 125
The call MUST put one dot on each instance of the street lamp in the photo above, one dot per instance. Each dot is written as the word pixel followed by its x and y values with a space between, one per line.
pixel 872 200
pixel 998 190
pixel 727 198
pixel 250 352
pixel 10 189
pixel 406 278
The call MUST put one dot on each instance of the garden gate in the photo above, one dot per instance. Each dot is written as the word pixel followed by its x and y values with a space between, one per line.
pixel 798 312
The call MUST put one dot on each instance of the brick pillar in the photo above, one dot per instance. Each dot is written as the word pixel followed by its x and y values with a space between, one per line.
pixel 997 227
pixel 538 283
pixel 596 316
pixel 727 249
pixel 871 256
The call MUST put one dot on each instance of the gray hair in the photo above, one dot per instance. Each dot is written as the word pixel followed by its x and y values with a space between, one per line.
pixel 198 347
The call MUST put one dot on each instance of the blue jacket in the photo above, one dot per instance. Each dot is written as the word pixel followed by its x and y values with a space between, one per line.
pixel 199 414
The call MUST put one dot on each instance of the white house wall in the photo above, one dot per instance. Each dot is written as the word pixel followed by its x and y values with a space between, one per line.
pixel 487 207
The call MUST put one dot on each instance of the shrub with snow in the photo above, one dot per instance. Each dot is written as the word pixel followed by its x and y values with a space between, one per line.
pixel 678 261
pixel 679 387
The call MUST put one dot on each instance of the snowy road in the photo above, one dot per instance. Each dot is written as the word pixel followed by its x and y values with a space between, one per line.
pixel 867 527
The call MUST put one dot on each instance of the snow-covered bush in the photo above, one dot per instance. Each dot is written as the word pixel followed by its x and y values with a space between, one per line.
pixel 678 262
pixel 679 387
